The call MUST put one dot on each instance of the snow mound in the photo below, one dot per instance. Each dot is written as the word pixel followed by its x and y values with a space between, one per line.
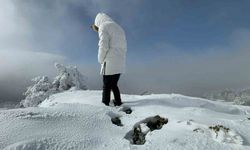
pixel 78 120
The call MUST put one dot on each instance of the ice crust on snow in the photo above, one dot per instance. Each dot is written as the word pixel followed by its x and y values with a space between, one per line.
pixel 78 120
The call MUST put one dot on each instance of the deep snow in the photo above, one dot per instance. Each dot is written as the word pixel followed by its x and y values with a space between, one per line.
pixel 78 120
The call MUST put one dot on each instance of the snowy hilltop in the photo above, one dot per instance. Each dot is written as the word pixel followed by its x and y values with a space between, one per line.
pixel 78 120
pixel 68 78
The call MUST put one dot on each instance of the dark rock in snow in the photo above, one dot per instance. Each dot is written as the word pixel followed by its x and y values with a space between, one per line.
pixel 141 129
pixel 198 130
pixel 116 121
pixel 217 128
pixel 138 136
pixel 156 122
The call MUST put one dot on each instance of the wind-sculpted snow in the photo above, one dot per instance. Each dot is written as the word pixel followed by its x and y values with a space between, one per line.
pixel 78 120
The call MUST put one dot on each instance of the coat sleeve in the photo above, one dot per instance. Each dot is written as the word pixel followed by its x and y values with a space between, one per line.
pixel 103 44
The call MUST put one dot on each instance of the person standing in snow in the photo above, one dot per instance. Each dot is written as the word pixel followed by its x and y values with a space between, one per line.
pixel 111 55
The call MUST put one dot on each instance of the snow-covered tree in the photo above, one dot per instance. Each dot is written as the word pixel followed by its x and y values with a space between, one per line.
pixel 68 78
pixel 243 98
pixel 35 94
pixel 239 97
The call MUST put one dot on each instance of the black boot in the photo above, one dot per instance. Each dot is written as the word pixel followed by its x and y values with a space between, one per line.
pixel 117 103
pixel 107 104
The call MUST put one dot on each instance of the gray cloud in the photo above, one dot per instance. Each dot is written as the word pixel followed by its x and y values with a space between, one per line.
pixel 14 29
pixel 20 58
pixel 179 72
pixel 18 67
pixel 176 71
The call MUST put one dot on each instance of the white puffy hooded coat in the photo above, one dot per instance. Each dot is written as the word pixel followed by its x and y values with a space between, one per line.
pixel 112 45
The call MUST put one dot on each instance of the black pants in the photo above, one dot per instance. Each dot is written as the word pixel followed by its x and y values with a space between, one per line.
pixel 110 83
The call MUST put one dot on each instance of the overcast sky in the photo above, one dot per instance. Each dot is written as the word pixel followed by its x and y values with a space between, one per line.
pixel 182 46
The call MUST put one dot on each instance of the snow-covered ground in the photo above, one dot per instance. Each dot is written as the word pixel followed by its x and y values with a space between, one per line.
pixel 78 120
